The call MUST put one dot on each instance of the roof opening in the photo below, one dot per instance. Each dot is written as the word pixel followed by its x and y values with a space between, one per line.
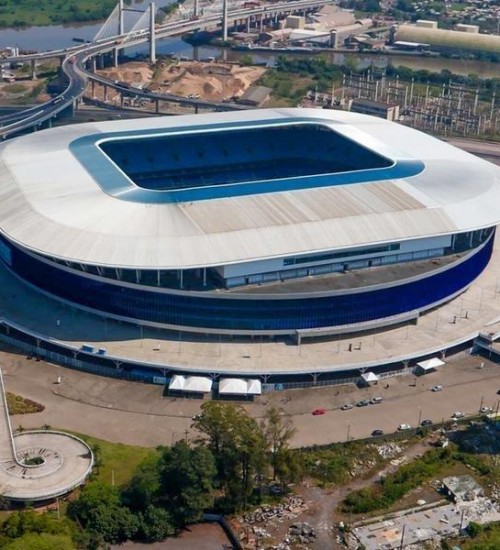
pixel 229 156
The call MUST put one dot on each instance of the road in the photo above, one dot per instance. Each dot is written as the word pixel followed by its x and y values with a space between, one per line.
pixel 75 58
pixel 102 407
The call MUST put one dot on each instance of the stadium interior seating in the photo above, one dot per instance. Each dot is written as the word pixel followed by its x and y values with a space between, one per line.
pixel 235 156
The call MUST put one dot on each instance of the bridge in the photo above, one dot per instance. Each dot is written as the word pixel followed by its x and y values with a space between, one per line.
pixel 74 59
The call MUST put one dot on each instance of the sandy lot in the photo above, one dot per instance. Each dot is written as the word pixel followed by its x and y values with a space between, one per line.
pixel 212 81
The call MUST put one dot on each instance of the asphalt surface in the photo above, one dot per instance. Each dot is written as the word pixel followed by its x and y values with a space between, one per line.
pixel 137 413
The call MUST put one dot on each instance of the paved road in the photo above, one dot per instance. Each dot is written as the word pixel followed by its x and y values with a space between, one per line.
pixel 103 407
pixel 6 445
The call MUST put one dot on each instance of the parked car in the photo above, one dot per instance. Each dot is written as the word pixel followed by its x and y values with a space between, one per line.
pixel 402 427
pixel 377 432
pixel 346 407
pixel 458 414
pixel 318 412
pixel 363 403
pixel 439 387
pixel 485 410
pixel 376 399
pixel 426 422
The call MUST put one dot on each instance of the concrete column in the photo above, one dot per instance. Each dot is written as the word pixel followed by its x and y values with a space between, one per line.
pixel 33 69
pixel 115 57
pixel 224 20
pixel 248 24
pixel 94 64
pixel 121 25
pixel 196 9
pixel 152 38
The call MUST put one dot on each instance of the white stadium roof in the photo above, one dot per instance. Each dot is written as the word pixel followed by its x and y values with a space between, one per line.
pixel 51 204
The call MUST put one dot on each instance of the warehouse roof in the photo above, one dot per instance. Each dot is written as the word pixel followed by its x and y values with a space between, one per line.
pixel 449 38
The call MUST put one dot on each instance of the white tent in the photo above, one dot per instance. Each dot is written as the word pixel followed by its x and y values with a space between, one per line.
pixel 240 386
pixel 233 386
pixel 254 387
pixel 369 377
pixel 177 382
pixel 430 364
pixel 196 384
pixel 200 384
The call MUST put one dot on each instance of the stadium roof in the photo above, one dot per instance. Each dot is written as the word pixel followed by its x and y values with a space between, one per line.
pixel 50 201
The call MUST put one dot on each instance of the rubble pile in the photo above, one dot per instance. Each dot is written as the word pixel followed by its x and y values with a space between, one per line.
pixel 389 450
pixel 253 535
pixel 300 535
pixel 480 510
pixel 290 508
pixel 360 468
pixel 300 532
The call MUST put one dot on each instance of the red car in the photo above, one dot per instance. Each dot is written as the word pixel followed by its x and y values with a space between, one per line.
pixel 318 412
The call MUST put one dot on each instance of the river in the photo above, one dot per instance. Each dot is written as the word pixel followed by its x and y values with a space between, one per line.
pixel 61 36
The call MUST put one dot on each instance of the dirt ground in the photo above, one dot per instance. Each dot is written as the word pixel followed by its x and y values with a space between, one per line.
pixel 12 92
pixel 321 505
pixel 202 536
pixel 212 81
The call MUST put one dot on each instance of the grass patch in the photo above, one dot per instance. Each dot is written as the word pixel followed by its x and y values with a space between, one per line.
pixel 17 404
pixel 15 88
pixel 115 461
pixel 25 13
pixel 337 463
pixel 394 487
pixel 287 88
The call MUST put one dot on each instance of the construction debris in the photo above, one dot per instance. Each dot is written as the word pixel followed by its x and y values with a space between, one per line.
pixel 290 508
pixel 389 450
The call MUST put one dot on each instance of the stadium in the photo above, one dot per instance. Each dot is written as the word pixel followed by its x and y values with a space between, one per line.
pixel 278 223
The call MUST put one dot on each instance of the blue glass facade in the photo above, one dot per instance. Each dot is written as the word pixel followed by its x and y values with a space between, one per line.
pixel 256 314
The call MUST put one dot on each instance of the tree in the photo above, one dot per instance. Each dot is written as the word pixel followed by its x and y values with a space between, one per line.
pixel 474 529
pixel 144 487
pixel 99 510
pixel 41 541
pixel 187 477
pixel 156 524
pixel 24 522
pixel 238 446
pixel 278 430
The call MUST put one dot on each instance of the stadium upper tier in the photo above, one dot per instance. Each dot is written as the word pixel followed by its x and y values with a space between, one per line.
pixel 262 222
pixel 340 181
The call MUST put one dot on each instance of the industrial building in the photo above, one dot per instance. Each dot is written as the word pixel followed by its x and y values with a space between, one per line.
pixel 464 39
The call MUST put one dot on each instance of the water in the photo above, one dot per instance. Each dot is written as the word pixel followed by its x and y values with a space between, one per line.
pixel 55 37
pixel 61 36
